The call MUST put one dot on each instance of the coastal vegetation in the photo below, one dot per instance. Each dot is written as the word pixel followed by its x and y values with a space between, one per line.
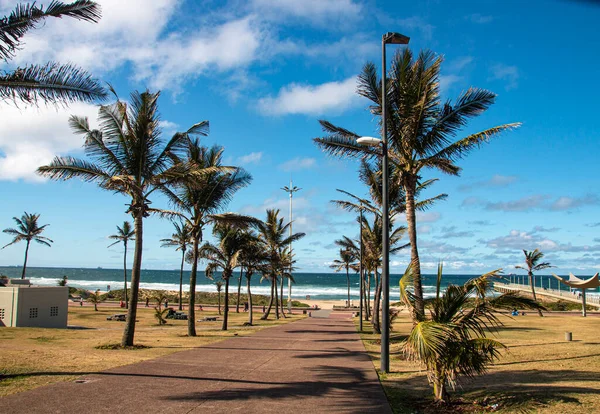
pixel 532 264
pixel 50 83
pixel 421 131
pixel 27 230
pixel 127 155
pixel 124 235
pixel 181 240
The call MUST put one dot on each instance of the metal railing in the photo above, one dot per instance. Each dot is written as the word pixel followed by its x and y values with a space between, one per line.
pixel 574 296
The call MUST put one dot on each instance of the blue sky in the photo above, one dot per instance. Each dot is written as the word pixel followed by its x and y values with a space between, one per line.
pixel 264 72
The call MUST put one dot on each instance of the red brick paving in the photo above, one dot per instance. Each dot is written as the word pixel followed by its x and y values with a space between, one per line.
pixel 316 365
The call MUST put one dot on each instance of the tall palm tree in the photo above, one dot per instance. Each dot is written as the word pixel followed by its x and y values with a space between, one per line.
pixel 344 263
pixel 199 199
pixel 272 234
pixel 421 130
pixel 532 264
pixel 225 256
pixel 451 341
pixel 124 234
pixel 53 82
pixel 181 239
pixel 128 156
pixel 28 230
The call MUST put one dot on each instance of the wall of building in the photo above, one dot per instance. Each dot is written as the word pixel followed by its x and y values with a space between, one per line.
pixel 44 307
pixel 7 304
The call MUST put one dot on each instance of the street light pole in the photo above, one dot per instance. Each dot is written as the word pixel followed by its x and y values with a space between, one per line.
pixel 388 38
pixel 291 190
pixel 362 281
pixel 398 39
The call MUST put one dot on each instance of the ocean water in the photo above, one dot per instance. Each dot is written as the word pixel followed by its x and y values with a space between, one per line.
pixel 315 285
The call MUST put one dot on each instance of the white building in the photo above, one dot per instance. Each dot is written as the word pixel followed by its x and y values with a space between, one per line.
pixel 34 306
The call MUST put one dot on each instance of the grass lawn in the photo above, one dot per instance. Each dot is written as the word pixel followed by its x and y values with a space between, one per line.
pixel 540 372
pixel 32 357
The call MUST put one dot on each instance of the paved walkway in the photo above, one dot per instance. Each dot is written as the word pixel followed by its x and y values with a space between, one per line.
pixel 315 365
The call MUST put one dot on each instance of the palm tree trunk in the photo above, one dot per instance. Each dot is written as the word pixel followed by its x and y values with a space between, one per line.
pixel 249 300
pixel 281 297
pixel 268 311
pixel 348 283
pixel 411 220
pixel 219 300
pixel 376 301
pixel 129 332
pixel 532 284
pixel 365 303
pixel 125 274
pixel 181 280
pixel 226 305
pixel 369 295
pixel 237 304
pixel 193 275
pixel 276 299
pixel 25 262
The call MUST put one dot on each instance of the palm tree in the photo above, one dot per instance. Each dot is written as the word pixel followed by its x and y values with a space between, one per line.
pixel 53 82
pixel 225 256
pixel 421 131
pixel 95 298
pixel 532 264
pixel 372 254
pixel 129 157
pixel 199 199
pixel 28 230
pixel 272 235
pixel 219 285
pixel 254 259
pixel 180 240
pixel 344 262
pixel 124 234
pixel 452 340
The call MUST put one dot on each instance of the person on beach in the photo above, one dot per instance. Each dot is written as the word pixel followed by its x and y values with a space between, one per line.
pixel 147 302
pixel 245 306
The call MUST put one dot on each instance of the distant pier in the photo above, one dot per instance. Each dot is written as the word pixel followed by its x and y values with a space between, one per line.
pixel 591 299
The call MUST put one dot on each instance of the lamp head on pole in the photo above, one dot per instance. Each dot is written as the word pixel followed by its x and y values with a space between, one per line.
pixel 392 38
pixel 369 141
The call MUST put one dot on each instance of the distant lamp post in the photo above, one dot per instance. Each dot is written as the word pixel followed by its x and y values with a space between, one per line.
pixel 291 190
pixel 396 39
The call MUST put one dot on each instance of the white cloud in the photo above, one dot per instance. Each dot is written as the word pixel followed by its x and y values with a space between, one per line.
pixel 314 11
pixel 427 217
pixel 479 18
pixel 446 81
pixel 298 164
pixel 252 158
pixel 31 137
pixel 509 74
pixel 416 23
pixel 334 97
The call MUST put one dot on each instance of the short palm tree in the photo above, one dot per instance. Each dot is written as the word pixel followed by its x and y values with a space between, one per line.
pixel 273 238
pixel 532 264
pixel 452 340
pixel 181 240
pixel 29 230
pixel 344 263
pixel 96 298
pixel 225 256
pixel 129 157
pixel 53 82
pixel 199 199
pixel 255 260
pixel 421 130
pixel 124 235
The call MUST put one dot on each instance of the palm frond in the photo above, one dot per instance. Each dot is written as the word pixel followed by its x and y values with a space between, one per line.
pixel 51 83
